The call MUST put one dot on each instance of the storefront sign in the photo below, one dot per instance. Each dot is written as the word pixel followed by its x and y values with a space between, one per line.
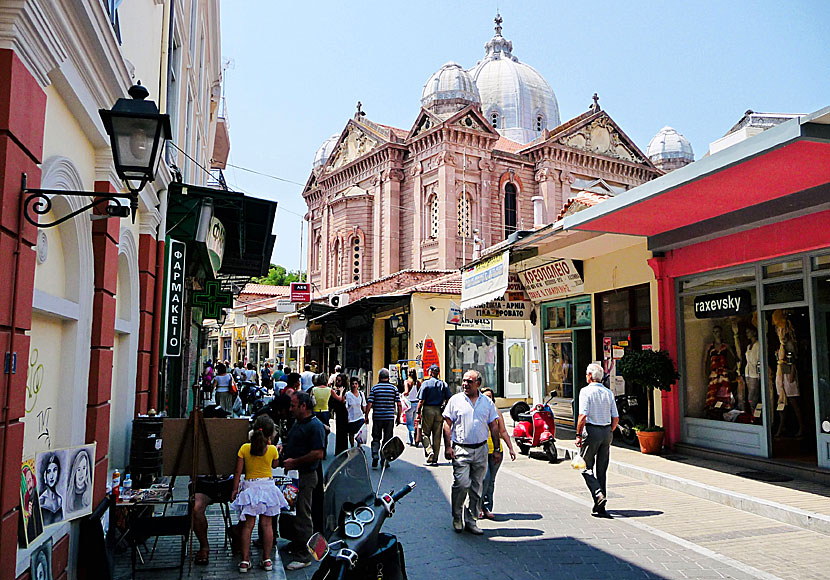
pixel 723 304
pixel 284 305
pixel 175 299
pixel 554 280
pixel 300 292
pixel 513 305
pixel 485 281
pixel 215 243
pixel 476 323
pixel 454 315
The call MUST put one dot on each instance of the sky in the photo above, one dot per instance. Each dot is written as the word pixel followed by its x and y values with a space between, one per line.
pixel 295 71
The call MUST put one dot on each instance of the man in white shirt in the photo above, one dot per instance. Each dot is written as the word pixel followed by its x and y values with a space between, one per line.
pixel 598 417
pixel 468 419
pixel 307 379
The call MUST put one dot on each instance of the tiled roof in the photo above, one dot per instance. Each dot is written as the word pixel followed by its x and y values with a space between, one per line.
pixel 399 133
pixel 265 290
pixel 449 284
pixel 505 144
pixel 582 200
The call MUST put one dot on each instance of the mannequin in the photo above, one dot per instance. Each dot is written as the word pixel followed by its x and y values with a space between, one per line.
pixel 718 363
pixel 786 375
pixel 752 372
pixel 468 351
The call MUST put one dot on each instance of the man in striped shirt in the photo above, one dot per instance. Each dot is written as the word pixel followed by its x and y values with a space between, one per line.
pixel 386 402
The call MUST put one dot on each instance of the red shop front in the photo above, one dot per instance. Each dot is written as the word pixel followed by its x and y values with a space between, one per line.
pixel 741 251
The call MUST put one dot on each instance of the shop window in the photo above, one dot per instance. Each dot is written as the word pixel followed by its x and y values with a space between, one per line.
pixel 510 209
pixel 788 268
pixel 476 350
pixel 821 262
pixel 702 283
pixel 623 322
pixel 821 297
pixel 723 361
pixel 784 292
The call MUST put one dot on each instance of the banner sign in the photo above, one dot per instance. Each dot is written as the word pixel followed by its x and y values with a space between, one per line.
pixel 454 315
pixel 300 292
pixel 513 305
pixel 175 299
pixel 485 281
pixel 555 280
pixel 723 304
pixel 286 305
pixel 215 243
pixel 430 355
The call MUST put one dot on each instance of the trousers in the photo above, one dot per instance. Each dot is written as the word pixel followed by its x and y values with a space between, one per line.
pixel 490 483
pixel 381 433
pixel 432 430
pixel 596 451
pixel 303 524
pixel 468 470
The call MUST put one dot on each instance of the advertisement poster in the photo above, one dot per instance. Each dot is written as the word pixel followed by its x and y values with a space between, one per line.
pixel 430 356
pixel 555 280
pixel 512 305
pixel 485 281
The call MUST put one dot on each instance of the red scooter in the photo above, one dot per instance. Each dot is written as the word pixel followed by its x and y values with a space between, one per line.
pixel 535 427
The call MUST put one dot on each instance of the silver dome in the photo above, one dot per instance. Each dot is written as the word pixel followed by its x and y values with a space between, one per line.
pixel 325 151
pixel 450 88
pixel 669 144
pixel 520 98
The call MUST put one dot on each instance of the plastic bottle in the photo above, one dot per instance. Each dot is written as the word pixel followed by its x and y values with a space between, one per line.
pixel 127 486
pixel 116 484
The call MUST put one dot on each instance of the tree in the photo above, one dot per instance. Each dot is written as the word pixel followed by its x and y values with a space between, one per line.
pixel 279 276
pixel 649 370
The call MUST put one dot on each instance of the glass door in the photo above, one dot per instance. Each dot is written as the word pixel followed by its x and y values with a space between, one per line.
pixel 515 385
pixel 821 300
pixel 559 375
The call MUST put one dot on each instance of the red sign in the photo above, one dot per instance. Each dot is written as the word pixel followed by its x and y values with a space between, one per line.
pixel 430 356
pixel 300 292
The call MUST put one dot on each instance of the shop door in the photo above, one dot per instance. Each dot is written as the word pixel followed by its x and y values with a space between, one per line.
pixel 559 375
pixel 515 384
pixel 821 299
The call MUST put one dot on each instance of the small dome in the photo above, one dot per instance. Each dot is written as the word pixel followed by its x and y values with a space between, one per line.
pixel 451 88
pixel 324 152
pixel 515 98
pixel 669 150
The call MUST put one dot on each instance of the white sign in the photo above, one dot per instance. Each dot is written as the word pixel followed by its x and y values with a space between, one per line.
pixel 285 305
pixel 455 314
pixel 477 323
pixel 485 281
pixel 555 280
pixel 513 305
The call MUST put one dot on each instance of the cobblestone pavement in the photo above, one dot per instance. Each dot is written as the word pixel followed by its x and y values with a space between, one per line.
pixel 544 530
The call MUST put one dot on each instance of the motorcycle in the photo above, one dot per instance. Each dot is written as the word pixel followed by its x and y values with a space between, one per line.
pixel 252 396
pixel 352 545
pixel 535 427
pixel 631 413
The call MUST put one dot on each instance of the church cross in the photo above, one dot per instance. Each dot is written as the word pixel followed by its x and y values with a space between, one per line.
pixel 498 20
pixel 212 300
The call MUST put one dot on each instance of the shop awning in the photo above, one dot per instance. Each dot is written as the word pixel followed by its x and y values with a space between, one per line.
pixel 783 172
pixel 365 305
pixel 248 222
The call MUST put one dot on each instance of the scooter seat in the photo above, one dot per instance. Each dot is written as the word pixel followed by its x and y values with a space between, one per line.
pixel 526 416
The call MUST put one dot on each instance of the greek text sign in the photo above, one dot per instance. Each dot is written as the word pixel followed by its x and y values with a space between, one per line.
pixel 554 280
pixel 485 281
pixel 723 304
pixel 513 305
pixel 175 299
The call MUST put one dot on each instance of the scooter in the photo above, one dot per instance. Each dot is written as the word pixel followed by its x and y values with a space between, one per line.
pixel 535 427
pixel 352 545
pixel 631 414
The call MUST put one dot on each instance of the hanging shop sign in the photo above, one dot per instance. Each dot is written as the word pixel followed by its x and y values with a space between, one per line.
pixel 485 281
pixel 430 354
pixel 455 314
pixel 513 305
pixel 555 280
pixel 212 300
pixel 215 243
pixel 175 299
pixel 286 305
pixel 300 292
pixel 723 304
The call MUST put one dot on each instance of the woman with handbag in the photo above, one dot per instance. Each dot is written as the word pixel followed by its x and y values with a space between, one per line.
pixel 356 406
pixel 411 390
pixel 224 387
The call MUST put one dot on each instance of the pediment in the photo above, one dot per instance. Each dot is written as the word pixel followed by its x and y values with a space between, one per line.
pixel 353 144
pixel 599 134
pixel 471 118
pixel 423 123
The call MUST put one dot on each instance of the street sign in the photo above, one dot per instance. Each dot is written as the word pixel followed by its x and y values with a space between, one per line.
pixel 300 292
pixel 175 299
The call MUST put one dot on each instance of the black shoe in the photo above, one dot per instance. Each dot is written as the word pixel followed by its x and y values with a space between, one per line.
pixel 600 502
pixel 601 513
pixel 374 462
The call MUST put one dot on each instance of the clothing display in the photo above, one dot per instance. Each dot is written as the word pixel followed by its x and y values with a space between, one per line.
pixel 468 352
pixel 786 380
pixel 719 389
pixel 516 356
pixel 753 360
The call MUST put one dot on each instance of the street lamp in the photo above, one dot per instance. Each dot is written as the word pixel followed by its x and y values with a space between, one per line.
pixel 136 130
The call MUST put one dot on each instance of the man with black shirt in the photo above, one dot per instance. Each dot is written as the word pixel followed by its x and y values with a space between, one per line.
pixel 386 401
pixel 303 451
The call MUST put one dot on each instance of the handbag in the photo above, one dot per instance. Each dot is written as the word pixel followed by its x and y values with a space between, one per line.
pixel 362 435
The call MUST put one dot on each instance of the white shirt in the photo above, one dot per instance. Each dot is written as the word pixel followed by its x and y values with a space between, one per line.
pixel 306 381
pixel 354 405
pixel 470 423
pixel 597 404
pixel 753 357
pixel 468 353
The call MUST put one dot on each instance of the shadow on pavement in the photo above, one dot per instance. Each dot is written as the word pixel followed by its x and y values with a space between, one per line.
pixel 516 516
pixel 634 513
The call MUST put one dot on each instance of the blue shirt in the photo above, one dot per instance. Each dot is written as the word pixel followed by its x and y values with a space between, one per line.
pixel 597 403
pixel 384 398
pixel 434 392
pixel 470 422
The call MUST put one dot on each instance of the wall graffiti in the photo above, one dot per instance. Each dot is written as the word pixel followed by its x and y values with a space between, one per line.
pixel 34 380
pixel 43 426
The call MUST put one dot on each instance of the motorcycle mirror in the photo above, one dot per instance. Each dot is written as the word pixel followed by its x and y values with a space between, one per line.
pixel 392 449
pixel 553 393
pixel 318 546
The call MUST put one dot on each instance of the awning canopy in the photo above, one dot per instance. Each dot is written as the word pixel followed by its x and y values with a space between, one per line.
pixel 783 172
pixel 365 305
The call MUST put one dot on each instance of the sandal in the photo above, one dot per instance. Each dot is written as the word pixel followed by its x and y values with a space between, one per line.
pixel 201 558
pixel 244 566
pixel 267 565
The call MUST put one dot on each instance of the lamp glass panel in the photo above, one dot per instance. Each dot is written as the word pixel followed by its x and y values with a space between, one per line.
pixel 134 144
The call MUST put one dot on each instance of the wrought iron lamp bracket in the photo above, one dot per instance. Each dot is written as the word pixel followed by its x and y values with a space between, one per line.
pixel 38 202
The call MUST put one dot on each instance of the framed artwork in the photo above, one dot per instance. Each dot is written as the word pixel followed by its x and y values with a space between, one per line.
pixel 30 524
pixel 64 478
pixel 41 566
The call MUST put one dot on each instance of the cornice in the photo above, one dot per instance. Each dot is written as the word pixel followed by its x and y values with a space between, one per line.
pixel 26 29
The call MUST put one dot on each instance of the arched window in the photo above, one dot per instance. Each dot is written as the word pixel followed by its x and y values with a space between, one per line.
pixel 434 218
pixel 540 122
pixel 464 216
pixel 316 253
pixel 357 253
pixel 336 274
pixel 509 209
pixel 494 119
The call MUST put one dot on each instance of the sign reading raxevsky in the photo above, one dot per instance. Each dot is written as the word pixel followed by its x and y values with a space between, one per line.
pixel 175 299
pixel 512 305
pixel 485 281
pixel 723 304
pixel 554 280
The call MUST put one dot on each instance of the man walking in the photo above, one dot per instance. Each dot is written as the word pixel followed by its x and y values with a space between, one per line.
pixel 598 417
pixel 434 392
pixel 307 379
pixel 303 451
pixel 468 418
pixel 386 401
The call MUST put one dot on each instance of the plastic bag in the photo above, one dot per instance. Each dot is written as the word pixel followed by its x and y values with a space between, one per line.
pixel 578 462
pixel 362 435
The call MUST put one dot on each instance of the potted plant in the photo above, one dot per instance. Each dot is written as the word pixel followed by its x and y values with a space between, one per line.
pixel 649 370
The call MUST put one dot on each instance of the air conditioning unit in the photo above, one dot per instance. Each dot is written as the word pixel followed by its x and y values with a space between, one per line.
pixel 338 300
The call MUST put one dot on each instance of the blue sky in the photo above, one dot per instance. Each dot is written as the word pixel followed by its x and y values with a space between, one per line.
pixel 297 70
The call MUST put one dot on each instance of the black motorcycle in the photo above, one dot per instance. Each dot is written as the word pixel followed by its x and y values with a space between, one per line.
pixel 252 396
pixel 352 545
pixel 631 413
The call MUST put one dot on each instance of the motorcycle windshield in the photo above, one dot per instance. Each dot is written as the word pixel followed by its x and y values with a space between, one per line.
pixel 347 481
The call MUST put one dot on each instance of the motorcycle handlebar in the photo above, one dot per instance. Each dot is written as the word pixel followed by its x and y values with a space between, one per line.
pixel 398 495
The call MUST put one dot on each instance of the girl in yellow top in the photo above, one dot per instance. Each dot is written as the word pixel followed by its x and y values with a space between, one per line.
pixel 259 495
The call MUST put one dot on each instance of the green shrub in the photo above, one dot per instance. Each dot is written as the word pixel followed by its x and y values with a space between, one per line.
pixel 648 370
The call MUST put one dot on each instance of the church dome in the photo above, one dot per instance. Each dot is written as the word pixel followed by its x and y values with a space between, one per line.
pixel 669 149
pixel 515 98
pixel 450 89
pixel 324 152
